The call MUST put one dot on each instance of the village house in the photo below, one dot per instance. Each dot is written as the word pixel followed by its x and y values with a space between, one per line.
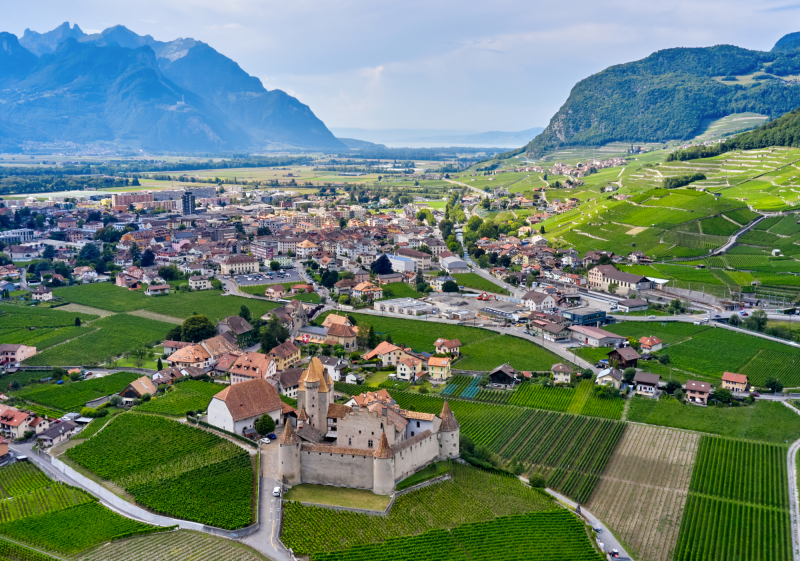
pixel 734 382
pixel 595 337
pixel 11 355
pixel 448 346
pixel 237 408
pixel 157 289
pixel 240 329
pixel 697 392
pixel 539 301
pixel 239 265
pixel 275 291
pixel 439 368
pixel 609 377
pixel 624 357
pixel 389 354
pixel 200 282
pixel 562 374
pixel 505 375
pixel 602 277
pixel 14 423
pixel 646 384
pixel 57 433
pixel 285 355
pixel 650 344
pixel 168 376
pixel 42 294
pixel 191 355
pixel 343 335
pixel 137 389
pixel 252 365
pixel 367 291
pixel 409 368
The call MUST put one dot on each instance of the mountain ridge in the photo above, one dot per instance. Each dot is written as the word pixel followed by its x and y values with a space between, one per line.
pixel 179 95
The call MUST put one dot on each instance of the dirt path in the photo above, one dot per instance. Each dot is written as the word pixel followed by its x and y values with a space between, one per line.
pixel 86 310
pixel 156 317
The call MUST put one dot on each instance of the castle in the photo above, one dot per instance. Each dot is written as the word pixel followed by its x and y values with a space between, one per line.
pixel 368 447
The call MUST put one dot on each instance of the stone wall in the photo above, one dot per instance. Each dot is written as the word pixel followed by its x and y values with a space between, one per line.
pixel 340 470
pixel 416 456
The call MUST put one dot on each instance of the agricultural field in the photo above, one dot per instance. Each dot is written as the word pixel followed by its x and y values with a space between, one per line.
pixel 569 400
pixel 642 493
pixel 211 303
pixel 113 336
pixel 709 351
pixel 72 396
pixel 74 529
pixel 763 421
pixel 173 468
pixel 547 535
pixel 24 378
pixel 477 282
pixel 571 450
pixel 13 552
pixel 172 546
pixel 471 496
pixel 186 396
pixel 56 517
pixel 479 346
pixel 399 290
pixel 40 327
pixel 727 506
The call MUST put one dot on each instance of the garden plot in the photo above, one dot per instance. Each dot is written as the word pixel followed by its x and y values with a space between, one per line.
pixel 642 493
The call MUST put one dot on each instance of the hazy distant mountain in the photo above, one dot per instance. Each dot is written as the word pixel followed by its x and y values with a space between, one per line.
pixel 118 86
pixel 354 144
pixel 432 138
pixel 787 43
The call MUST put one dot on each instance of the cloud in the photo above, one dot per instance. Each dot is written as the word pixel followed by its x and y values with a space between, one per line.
pixel 227 26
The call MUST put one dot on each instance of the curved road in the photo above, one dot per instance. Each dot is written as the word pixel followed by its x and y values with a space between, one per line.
pixel 791 464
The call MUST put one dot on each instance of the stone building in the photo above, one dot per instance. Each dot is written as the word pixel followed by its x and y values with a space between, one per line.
pixel 368 447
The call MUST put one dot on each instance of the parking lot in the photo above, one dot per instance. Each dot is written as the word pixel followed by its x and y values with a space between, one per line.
pixel 288 275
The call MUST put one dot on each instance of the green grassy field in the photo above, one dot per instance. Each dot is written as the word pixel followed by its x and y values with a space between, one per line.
pixel 482 349
pixel 399 290
pixel 210 303
pixel 474 280
pixel 182 397
pixel 40 327
pixel 763 421
pixel 72 396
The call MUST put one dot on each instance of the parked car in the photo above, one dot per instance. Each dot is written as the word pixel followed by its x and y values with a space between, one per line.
pixel 744 314
pixel 651 317
pixel 272 436
pixel 265 441
pixel 755 394
pixel 276 492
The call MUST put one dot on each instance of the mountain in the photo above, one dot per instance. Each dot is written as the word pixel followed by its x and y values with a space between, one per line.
pixel 122 87
pixel 436 138
pixel 355 144
pixel 787 43
pixel 667 95
pixel 783 131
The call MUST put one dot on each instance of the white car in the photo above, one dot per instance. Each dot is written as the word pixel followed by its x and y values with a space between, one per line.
pixel 276 492
pixel 651 317
pixel 265 441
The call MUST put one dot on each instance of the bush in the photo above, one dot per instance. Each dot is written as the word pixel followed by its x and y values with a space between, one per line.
pixel 265 425
pixel 423 391
pixel 537 481
pixel 116 401
pixel 94 413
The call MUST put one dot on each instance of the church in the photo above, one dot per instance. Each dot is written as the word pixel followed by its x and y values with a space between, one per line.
pixel 372 446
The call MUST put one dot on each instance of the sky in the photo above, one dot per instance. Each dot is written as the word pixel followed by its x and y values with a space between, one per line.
pixel 505 65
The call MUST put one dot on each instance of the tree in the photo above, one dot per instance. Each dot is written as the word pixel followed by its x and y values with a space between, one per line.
pixel 329 278
pixel 672 385
pixel 723 395
pixel 196 328
pixel 612 288
pixel 170 272
pixel 343 223
pixel 664 359
pixel 136 253
pixel 116 400
pixel 174 334
pixel 587 374
pixel 537 481
pixel 77 322
pixel 273 333
pixel 735 320
pixel 49 252
pixel 757 321
pixel 774 384
pixel 265 425
pixel 274 265
pixel 628 374
pixel 75 376
pixel 159 365
pixel 679 394
pixel 362 337
pixel 148 258
pixel 465 444
pixel 89 252
pixel 450 286
pixel 382 265
pixel 312 349
pixel 338 350
pixel 244 313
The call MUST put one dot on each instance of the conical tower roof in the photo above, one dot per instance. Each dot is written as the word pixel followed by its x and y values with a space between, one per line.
pixel 384 451
pixel 315 373
pixel 303 416
pixel 289 435
pixel 449 423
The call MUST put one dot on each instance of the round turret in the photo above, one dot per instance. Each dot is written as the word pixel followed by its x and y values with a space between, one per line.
pixel 289 456
pixel 449 434
pixel 383 468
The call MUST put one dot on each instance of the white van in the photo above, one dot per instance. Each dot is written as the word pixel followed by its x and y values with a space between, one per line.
pixel 276 492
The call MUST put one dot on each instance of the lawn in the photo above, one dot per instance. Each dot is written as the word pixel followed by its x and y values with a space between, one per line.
pixel 477 282
pixel 481 349
pixel 190 395
pixel 430 472
pixel 592 354
pixel 763 421
pixel 115 336
pixel 399 290
pixel 337 496
pixel 210 303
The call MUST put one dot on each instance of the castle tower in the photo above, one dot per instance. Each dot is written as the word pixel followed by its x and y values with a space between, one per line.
pixel 289 456
pixel 315 394
pixel 449 432
pixel 383 468
pixel 302 418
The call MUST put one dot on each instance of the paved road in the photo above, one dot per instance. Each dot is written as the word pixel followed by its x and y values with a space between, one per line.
pixel 791 461
pixel 605 537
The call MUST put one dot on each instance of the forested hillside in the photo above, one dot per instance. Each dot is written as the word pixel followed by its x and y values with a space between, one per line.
pixel 668 95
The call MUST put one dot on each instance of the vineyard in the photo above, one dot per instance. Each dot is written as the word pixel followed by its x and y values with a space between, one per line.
pixel 20 478
pixel 738 505
pixel 74 529
pixel 471 496
pixel 72 396
pixel 172 546
pixel 536 536
pixel 13 552
pixel 173 468
pixel 570 450
pixel 186 396
pixel 642 492
pixel 40 327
